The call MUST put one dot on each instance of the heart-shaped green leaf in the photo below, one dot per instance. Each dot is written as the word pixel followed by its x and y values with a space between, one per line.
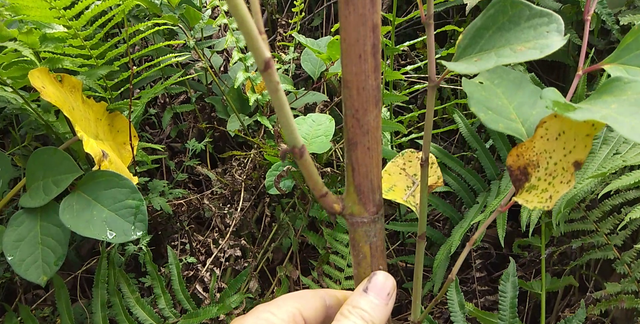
pixel 312 64
pixel 507 32
pixel 316 131
pixel 106 206
pixel 49 172
pixel 505 100
pixel 625 60
pixel 36 242
pixel 278 175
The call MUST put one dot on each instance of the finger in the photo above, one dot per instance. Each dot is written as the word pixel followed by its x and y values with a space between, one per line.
pixel 371 303
pixel 315 306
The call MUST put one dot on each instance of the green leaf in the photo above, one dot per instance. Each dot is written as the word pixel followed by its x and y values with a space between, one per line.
pixel 63 301
pixel 333 48
pixel 177 282
pixel 455 302
pixel 193 16
pixel 501 224
pixel 552 284
pixel 301 98
pixel 317 45
pixel 163 299
pixel 233 124
pixel 625 60
pixel 36 242
pixel 312 64
pixel 508 295
pixel 506 101
pixel 106 206
pixel 26 315
pixel 138 306
pixel 6 171
pixel 578 318
pixel 45 182
pixel 483 317
pixel 99 292
pixel 316 131
pixel 614 103
pixel 286 181
pixel 507 32
pixel 391 126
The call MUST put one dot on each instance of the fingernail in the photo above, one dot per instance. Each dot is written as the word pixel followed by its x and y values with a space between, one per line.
pixel 380 286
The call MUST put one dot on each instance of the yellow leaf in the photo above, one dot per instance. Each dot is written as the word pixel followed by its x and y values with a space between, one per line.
pixel 104 135
pixel 258 89
pixel 401 178
pixel 543 168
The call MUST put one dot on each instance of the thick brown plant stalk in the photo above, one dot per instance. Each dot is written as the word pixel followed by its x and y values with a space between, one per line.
pixel 360 24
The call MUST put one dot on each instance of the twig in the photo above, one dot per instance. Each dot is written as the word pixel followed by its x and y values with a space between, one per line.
pixel 452 275
pixel 589 9
pixel 421 239
pixel 266 66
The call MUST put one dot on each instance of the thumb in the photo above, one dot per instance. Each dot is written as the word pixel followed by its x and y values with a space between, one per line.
pixel 371 302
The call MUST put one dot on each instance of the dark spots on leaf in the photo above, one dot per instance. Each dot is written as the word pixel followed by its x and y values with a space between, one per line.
pixel 577 165
pixel 519 176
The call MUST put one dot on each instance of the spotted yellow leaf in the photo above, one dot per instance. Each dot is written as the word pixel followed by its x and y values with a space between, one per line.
pixel 543 168
pixel 104 135
pixel 401 178
pixel 258 88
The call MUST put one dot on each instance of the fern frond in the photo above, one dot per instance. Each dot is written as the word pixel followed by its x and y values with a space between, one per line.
pixel 63 301
pixel 578 318
pixel 138 307
pixel 458 186
pixel 618 302
pixel 445 208
pixel 455 303
pixel 117 302
pixel 602 9
pixel 163 299
pixel 99 301
pixel 501 142
pixel 26 315
pixel 468 174
pixel 177 282
pixel 485 158
pixel 198 316
pixel 508 296
pixel 626 181
pixel 234 285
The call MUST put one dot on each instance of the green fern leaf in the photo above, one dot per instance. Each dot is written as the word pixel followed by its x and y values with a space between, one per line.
pixel 309 283
pixel 508 296
pixel 602 9
pixel 455 301
pixel 483 317
pixel 99 301
pixel 138 307
pixel 177 282
pixel 196 317
pixel 626 181
pixel 117 302
pixel 486 160
pixel 445 208
pixel 458 186
pixel 163 299
pixel 468 174
pixel 578 318
pixel 501 143
pixel 441 264
pixel 234 285
pixel 26 315
pixel 501 225
pixel 63 301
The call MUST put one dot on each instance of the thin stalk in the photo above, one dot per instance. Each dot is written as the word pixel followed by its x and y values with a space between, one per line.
pixel 543 271
pixel 266 66
pixel 421 239
pixel 504 206
pixel 14 191
pixel 589 9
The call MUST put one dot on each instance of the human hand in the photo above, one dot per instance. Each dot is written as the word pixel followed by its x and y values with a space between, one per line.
pixel 370 303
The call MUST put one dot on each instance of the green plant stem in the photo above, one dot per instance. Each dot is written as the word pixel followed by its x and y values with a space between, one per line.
pixel 504 206
pixel 421 239
pixel 14 191
pixel 543 271
pixel 266 66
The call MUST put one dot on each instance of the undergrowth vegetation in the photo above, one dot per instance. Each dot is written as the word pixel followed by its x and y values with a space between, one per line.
pixel 220 218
